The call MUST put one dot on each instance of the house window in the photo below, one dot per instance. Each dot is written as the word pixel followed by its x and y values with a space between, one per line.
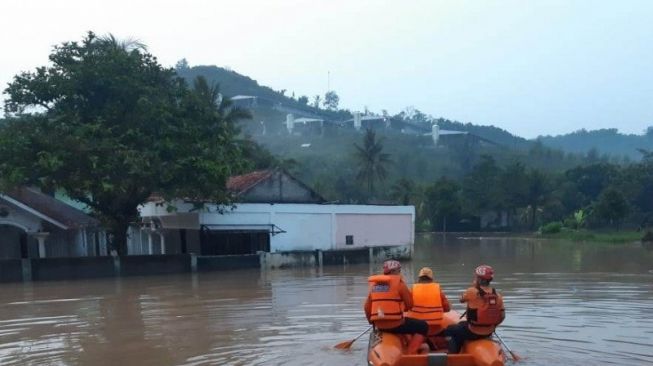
pixel 349 240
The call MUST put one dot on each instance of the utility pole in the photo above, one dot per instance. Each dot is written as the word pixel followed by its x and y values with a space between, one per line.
pixel 328 81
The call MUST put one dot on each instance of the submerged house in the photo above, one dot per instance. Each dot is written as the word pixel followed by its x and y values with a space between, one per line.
pixel 36 225
pixel 275 213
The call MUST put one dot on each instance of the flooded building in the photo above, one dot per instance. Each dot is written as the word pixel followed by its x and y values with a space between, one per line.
pixel 275 213
pixel 36 225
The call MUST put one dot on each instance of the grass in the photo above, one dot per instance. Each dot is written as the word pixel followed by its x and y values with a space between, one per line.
pixel 612 236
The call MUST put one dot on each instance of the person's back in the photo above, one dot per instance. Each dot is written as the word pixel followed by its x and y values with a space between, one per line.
pixel 387 295
pixel 485 311
pixel 429 301
pixel 386 302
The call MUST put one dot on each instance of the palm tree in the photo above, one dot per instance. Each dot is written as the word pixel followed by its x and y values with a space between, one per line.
pixel 212 97
pixel 372 161
pixel 125 45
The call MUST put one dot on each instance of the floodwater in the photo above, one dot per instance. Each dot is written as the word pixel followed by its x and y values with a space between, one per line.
pixel 567 304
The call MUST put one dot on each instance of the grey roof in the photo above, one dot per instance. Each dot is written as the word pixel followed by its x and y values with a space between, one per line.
pixel 52 208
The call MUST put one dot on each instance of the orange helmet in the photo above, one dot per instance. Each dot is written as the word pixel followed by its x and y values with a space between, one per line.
pixel 390 265
pixel 484 272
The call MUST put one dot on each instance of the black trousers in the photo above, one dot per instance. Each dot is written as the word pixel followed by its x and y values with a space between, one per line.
pixel 411 326
pixel 460 333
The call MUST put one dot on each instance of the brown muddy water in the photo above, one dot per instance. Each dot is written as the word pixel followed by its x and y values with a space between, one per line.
pixel 567 304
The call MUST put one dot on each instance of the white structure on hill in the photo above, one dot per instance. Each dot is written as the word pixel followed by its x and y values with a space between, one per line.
pixel 436 132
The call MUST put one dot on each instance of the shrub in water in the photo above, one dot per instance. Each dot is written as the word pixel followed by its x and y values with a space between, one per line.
pixel 551 228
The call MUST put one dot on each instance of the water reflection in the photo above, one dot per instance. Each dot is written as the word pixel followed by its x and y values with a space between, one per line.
pixel 573 304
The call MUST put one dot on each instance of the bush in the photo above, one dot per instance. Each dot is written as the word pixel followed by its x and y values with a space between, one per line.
pixel 648 237
pixel 551 228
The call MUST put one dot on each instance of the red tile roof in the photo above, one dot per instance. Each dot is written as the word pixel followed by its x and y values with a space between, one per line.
pixel 241 183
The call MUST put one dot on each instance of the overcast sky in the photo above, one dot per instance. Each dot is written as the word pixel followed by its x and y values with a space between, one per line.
pixel 531 67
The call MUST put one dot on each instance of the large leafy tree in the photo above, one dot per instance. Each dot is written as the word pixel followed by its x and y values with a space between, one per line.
pixel 403 191
pixel 611 206
pixel 331 100
pixel 105 122
pixel 442 202
pixel 372 161
pixel 537 193
pixel 481 188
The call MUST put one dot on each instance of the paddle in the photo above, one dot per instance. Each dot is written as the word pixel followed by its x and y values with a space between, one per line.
pixel 347 344
pixel 513 354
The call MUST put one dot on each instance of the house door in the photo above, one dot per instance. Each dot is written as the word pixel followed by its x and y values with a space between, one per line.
pixel 13 242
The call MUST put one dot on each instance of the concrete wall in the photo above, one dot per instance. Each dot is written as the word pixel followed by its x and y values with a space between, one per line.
pixel 42 269
pixel 290 259
pixel 323 227
pixel 226 262
pixel 374 230
pixel 139 265
pixel 71 268
pixel 304 231
pixel 352 256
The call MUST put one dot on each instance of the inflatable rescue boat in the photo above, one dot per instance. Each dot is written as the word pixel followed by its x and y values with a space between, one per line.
pixel 387 349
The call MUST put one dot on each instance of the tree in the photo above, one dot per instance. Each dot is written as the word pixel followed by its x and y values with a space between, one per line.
pixel 182 65
pixel 442 202
pixel 513 186
pixel 591 180
pixel 649 132
pixel 480 186
pixel 403 191
pixel 303 100
pixel 372 161
pixel 316 102
pixel 537 193
pixel 331 100
pixel 611 206
pixel 106 123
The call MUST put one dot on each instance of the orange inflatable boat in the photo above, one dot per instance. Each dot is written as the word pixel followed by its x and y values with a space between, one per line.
pixel 387 349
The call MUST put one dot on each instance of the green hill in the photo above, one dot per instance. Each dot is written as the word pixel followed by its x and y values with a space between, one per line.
pixel 604 141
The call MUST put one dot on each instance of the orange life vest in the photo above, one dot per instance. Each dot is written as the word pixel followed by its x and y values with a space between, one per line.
pixel 488 311
pixel 387 306
pixel 427 303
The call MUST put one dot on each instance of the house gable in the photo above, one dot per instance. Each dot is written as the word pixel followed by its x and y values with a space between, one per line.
pixel 272 186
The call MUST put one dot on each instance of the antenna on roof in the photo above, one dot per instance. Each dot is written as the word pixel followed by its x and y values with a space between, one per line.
pixel 328 81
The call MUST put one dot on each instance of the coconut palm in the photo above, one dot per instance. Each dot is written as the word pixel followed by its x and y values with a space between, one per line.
pixel 372 161
pixel 210 94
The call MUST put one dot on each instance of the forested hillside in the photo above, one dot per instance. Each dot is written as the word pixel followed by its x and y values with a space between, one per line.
pixel 604 141
pixel 485 179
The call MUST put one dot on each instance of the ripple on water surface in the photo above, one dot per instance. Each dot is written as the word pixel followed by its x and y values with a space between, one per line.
pixel 567 304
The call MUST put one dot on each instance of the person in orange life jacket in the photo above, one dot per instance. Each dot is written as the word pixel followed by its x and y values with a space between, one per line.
pixel 386 302
pixel 429 301
pixel 484 311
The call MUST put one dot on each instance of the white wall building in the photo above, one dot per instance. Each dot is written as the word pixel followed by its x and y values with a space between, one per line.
pixel 293 226
pixel 276 213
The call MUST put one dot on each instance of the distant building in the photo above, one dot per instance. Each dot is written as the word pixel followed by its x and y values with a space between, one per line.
pixel 360 122
pixel 304 125
pixel 244 101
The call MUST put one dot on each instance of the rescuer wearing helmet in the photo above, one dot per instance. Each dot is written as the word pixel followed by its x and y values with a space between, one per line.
pixel 386 302
pixel 429 301
pixel 484 311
